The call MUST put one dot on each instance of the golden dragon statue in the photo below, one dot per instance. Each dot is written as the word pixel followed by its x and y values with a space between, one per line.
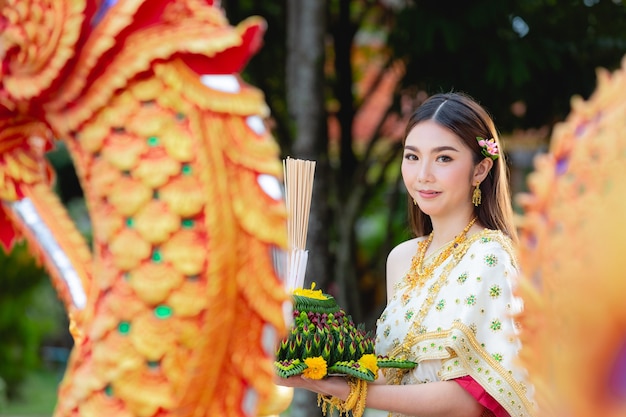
pixel 177 304
pixel 572 257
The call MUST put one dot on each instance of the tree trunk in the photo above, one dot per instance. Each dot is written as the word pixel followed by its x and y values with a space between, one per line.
pixel 306 29
pixel 343 31
pixel 305 100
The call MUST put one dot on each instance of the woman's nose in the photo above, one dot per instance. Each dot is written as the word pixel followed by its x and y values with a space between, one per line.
pixel 424 173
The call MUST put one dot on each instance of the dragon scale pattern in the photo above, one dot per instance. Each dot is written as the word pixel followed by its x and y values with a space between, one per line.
pixel 182 181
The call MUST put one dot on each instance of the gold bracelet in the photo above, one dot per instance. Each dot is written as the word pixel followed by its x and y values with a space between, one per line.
pixel 355 401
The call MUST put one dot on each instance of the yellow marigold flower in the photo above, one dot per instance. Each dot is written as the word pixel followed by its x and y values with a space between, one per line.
pixel 370 362
pixel 316 368
pixel 310 293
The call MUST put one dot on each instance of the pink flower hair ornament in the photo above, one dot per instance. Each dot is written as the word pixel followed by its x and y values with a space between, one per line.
pixel 489 148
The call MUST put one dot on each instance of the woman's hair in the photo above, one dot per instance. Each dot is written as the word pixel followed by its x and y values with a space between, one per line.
pixel 468 120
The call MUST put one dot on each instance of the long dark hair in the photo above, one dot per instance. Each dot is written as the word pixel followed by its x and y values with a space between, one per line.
pixel 468 120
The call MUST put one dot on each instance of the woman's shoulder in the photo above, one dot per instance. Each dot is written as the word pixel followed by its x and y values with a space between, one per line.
pixel 404 249
pixel 492 241
pixel 491 236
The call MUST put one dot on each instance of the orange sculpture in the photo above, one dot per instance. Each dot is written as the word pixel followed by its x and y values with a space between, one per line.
pixel 177 306
pixel 572 257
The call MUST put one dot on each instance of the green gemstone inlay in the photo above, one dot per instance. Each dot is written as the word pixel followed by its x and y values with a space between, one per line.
pixel 495 325
pixel 491 260
pixel 130 222
pixel 156 256
pixel 180 116
pixel 495 291
pixel 123 327
pixel 153 141
pixel 163 312
pixel 155 195
pixel 153 364
pixel 186 169
pixel 187 223
pixel 108 390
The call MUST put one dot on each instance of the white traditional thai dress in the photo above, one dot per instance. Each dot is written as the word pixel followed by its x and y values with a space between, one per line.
pixel 460 323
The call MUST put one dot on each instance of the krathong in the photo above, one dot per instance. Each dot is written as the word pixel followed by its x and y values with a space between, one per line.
pixel 325 341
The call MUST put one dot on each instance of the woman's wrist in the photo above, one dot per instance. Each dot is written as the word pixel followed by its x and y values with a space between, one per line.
pixel 344 390
pixel 337 387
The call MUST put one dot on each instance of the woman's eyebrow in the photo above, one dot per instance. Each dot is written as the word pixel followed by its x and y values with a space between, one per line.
pixel 445 148
pixel 434 150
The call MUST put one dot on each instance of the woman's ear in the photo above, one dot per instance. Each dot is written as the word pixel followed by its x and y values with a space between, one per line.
pixel 481 170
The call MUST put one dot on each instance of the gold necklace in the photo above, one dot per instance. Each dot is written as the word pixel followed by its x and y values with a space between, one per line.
pixel 419 273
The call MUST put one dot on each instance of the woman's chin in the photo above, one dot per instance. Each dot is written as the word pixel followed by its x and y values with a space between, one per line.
pixel 429 209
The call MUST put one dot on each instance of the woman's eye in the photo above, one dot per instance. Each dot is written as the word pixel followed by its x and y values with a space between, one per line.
pixel 444 158
pixel 410 157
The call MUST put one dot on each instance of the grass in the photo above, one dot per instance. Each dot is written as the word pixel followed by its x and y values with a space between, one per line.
pixel 38 396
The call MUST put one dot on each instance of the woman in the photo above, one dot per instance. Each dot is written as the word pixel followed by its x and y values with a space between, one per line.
pixel 450 299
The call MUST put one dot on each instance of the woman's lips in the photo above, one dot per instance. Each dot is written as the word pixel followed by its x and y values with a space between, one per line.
pixel 427 194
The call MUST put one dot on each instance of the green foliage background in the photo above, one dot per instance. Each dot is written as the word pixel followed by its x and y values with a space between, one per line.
pixel 29 312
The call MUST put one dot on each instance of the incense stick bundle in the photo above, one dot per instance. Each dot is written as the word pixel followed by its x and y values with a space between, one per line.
pixel 298 190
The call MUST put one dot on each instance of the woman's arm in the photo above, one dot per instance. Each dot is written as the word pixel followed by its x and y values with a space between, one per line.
pixel 435 399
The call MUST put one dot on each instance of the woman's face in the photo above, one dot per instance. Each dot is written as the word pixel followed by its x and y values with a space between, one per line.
pixel 438 169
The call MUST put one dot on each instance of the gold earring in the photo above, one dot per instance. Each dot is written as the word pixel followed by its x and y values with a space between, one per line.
pixel 414 202
pixel 477 195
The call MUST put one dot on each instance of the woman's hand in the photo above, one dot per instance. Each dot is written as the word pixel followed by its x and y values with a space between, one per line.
pixel 335 386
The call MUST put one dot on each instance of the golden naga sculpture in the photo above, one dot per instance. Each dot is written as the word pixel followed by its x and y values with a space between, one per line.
pixel 572 256
pixel 177 306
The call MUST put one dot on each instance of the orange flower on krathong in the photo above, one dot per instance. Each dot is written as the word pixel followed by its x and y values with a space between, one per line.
pixel 317 368
pixel 369 361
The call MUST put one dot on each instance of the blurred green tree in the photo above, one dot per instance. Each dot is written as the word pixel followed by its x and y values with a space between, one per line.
pixel 522 59
pixel 29 312
pixel 537 52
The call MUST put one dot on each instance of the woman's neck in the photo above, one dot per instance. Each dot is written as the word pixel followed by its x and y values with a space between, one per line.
pixel 445 230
